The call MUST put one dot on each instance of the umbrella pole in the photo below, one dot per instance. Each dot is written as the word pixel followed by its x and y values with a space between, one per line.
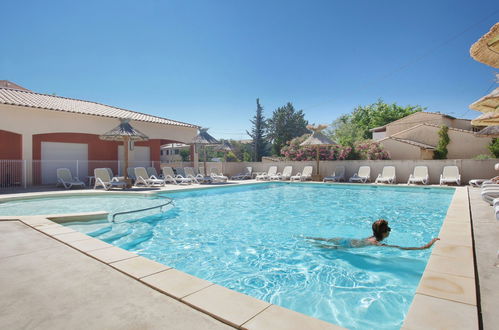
pixel 317 170
pixel 204 160
pixel 125 147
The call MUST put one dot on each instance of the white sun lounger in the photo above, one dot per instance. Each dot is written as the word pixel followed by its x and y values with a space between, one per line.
pixel 244 175
pixel 419 175
pixel 285 175
pixel 196 178
pixel 490 193
pixel 151 171
pixel 306 174
pixel 387 175
pixel 218 177
pixel 104 180
pixel 67 180
pixel 169 176
pixel 363 175
pixel 142 178
pixel 265 176
pixel 450 174
pixel 337 176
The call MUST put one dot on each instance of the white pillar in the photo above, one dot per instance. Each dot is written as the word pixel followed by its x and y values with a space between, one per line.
pixel 27 154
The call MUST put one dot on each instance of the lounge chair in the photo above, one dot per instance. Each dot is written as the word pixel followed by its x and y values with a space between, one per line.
pixel 306 174
pixel 131 173
pixel 65 178
pixel 104 180
pixel 490 193
pixel 144 179
pixel 387 175
pixel 419 175
pixel 337 176
pixel 196 178
pixel 265 176
pixel 218 177
pixel 363 175
pixel 286 174
pixel 244 175
pixel 450 174
pixel 151 171
pixel 170 176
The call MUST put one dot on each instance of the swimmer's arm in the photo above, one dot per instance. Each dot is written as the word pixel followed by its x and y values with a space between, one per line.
pixel 426 246
pixel 334 240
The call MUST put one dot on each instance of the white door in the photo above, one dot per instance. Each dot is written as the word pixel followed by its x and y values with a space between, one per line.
pixel 59 154
pixel 141 156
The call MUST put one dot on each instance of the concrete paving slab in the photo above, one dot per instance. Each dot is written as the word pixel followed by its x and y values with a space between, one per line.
pixel 61 288
pixel 486 235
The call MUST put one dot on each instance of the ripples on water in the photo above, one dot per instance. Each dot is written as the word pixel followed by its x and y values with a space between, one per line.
pixel 251 239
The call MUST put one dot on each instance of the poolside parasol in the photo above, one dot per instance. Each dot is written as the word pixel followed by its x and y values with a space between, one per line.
pixel 317 139
pixel 488 103
pixel 204 139
pixel 126 133
pixel 486 119
pixel 486 49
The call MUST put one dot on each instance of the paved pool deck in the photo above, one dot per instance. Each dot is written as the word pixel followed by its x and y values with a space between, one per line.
pixel 48 285
pixel 445 298
pixel 486 237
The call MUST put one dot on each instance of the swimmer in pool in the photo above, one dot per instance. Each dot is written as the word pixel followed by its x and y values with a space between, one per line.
pixel 380 232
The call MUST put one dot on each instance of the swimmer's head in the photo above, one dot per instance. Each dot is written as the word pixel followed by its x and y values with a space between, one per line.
pixel 381 229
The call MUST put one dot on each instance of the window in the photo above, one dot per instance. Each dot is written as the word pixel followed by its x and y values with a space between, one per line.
pixel 177 151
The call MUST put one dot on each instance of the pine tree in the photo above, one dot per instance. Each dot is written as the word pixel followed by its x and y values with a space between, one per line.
pixel 258 133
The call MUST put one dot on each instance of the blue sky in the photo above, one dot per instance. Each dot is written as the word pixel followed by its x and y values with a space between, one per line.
pixel 205 62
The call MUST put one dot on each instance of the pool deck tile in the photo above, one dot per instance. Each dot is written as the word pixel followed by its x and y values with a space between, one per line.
pixel 453 251
pixel 176 283
pixel 89 244
pixel 35 221
pixel 446 286
pixel 227 305
pixel 139 267
pixel 278 318
pixel 111 254
pixel 453 266
pixel 70 237
pixel 55 229
pixel 435 313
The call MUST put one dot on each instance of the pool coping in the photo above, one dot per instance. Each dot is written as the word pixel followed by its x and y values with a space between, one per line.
pixel 447 284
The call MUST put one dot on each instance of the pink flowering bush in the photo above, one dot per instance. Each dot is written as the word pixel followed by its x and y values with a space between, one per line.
pixel 362 150
pixel 371 150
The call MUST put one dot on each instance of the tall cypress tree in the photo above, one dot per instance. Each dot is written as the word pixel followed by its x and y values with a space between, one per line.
pixel 258 132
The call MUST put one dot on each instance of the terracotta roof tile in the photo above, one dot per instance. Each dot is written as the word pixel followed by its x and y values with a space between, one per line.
pixel 58 103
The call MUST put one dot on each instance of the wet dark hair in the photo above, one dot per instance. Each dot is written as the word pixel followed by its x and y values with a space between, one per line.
pixel 379 228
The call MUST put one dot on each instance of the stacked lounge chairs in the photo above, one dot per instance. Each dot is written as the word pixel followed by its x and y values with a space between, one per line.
pixel 143 178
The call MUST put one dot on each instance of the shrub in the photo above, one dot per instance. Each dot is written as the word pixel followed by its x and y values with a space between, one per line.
pixel 370 150
pixel 482 157
pixel 441 150
pixel 494 147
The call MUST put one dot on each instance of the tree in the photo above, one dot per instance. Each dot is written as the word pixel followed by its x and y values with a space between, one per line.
pixel 355 126
pixel 286 123
pixel 258 132
pixel 441 150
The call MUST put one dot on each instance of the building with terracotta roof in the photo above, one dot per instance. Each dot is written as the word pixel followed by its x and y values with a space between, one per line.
pixel 50 131
pixel 416 137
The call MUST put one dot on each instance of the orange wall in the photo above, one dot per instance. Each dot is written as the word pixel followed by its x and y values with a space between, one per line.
pixel 10 145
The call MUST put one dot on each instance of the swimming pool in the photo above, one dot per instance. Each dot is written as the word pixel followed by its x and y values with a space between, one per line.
pixel 251 239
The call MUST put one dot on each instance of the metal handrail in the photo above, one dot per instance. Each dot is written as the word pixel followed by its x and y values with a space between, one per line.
pixel 170 201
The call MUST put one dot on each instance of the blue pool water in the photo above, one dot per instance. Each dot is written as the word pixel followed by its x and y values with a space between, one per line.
pixel 252 239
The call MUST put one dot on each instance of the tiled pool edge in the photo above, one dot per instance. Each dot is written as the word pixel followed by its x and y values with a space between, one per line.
pixel 456 306
pixel 448 282
pixel 228 306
